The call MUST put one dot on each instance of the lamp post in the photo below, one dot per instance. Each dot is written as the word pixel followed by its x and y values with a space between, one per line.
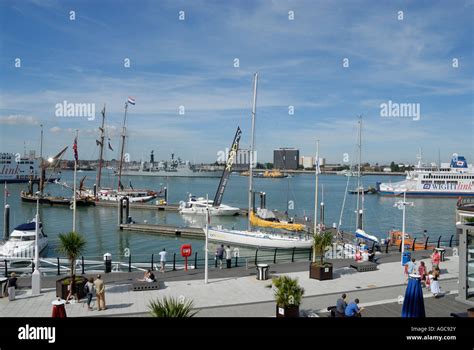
pixel 402 205
pixel 206 252
pixel 36 276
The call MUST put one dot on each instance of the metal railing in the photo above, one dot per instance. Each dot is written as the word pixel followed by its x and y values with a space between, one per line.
pixel 143 262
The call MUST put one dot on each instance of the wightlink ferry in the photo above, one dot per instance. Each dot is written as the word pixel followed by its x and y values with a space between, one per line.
pixel 455 179
pixel 18 169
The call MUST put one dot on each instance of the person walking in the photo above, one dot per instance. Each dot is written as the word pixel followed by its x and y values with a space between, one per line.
pixel 162 260
pixel 341 305
pixel 89 289
pixel 228 256
pixel 353 309
pixel 100 292
pixel 410 268
pixel 11 286
pixel 220 254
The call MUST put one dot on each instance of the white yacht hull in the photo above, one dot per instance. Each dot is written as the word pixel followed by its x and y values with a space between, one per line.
pixel 258 239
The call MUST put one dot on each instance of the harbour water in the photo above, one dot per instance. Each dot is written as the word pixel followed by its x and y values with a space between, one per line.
pixel 99 224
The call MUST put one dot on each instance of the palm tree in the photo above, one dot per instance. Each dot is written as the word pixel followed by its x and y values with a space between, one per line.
pixel 171 307
pixel 72 245
pixel 287 291
pixel 320 242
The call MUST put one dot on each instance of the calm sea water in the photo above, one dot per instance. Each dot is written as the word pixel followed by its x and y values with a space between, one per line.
pixel 99 224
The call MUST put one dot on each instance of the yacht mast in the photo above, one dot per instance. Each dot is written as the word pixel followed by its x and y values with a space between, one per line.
pixel 101 154
pixel 359 209
pixel 252 145
pixel 122 148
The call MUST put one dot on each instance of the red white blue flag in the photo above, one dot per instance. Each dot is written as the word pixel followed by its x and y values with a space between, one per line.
pixel 76 156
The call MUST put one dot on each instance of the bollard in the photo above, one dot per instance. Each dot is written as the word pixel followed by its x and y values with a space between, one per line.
pixel 6 222
pixel 120 213
pixel 426 243
pixel 82 263
pixel 256 256
pixel 236 261
pixel 152 262
pixel 386 249
pixel 6 268
pixel 107 262
pixel 413 245
pixel 130 263
pixel 174 262
pixel 196 260
pixel 32 266
pixel 451 241
pixel 275 256
pixel 59 267
pixel 293 255
pixel 439 241
pixel 310 254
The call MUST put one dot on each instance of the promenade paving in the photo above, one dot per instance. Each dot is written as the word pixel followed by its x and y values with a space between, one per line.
pixel 236 295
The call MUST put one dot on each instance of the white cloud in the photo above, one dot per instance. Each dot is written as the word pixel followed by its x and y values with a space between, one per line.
pixel 18 119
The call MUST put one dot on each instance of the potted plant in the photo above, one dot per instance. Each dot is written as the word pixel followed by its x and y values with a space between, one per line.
pixel 72 245
pixel 321 270
pixel 288 294
pixel 171 307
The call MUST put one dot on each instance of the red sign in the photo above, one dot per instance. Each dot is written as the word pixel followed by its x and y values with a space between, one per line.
pixel 186 250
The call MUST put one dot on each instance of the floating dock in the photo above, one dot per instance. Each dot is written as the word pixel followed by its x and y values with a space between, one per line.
pixel 159 207
pixel 169 230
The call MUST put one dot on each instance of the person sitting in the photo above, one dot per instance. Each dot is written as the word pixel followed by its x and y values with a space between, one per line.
pixel 365 255
pixel 146 275
pixel 353 309
pixel 358 256
pixel 372 256
pixel 151 277
pixel 341 306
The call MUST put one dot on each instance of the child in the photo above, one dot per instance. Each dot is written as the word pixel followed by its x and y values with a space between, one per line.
pixel 422 272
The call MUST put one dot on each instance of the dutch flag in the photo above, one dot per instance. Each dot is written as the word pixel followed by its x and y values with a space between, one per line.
pixel 131 100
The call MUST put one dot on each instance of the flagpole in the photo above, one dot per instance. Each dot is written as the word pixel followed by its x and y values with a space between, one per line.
pixel 316 188
pixel 252 145
pixel 206 253
pixel 123 147
pixel 101 155
pixel 74 199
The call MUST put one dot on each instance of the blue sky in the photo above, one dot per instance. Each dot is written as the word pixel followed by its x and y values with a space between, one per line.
pixel 191 63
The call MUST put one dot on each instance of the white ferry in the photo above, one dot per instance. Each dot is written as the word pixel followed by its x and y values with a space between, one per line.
pixel 14 169
pixel 455 179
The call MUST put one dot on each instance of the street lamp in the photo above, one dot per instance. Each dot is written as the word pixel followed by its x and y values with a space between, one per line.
pixel 402 205
pixel 36 276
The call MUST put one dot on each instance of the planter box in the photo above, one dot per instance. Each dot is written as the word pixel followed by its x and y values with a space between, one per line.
pixel 289 311
pixel 320 272
pixel 63 283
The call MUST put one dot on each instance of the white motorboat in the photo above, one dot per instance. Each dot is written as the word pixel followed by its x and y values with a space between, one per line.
pixel 198 206
pixel 259 238
pixel 21 243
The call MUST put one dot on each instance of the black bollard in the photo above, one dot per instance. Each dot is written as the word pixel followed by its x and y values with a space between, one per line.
pixel 6 222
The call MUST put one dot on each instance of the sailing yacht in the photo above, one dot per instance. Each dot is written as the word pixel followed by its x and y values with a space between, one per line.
pixel 108 194
pixel 200 205
pixel 257 238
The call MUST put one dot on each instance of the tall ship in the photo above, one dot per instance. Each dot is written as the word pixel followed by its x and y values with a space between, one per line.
pixel 172 168
pixel 18 170
pixel 454 179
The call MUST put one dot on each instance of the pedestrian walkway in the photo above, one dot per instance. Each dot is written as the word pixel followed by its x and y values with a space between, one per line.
pixel 226 292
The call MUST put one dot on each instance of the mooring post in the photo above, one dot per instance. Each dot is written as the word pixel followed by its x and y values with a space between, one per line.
pixel 426 243
pixel 413 245
pixel 196 260
pixel 451 241
pixel 275 256
pixel 6 267
pixel 439 241
pixel 82 263
pixel 293 255
pixel 6 222
pixel 130 263
pixel 59 267
pixel 174 261
pixel 256 256
pixel 152 255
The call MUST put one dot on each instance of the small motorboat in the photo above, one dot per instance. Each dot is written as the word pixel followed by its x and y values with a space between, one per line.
pixel 199 206
pixel 21 243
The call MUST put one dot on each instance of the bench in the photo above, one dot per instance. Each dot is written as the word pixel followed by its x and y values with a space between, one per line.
pixel 140 286
pixel 364 266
